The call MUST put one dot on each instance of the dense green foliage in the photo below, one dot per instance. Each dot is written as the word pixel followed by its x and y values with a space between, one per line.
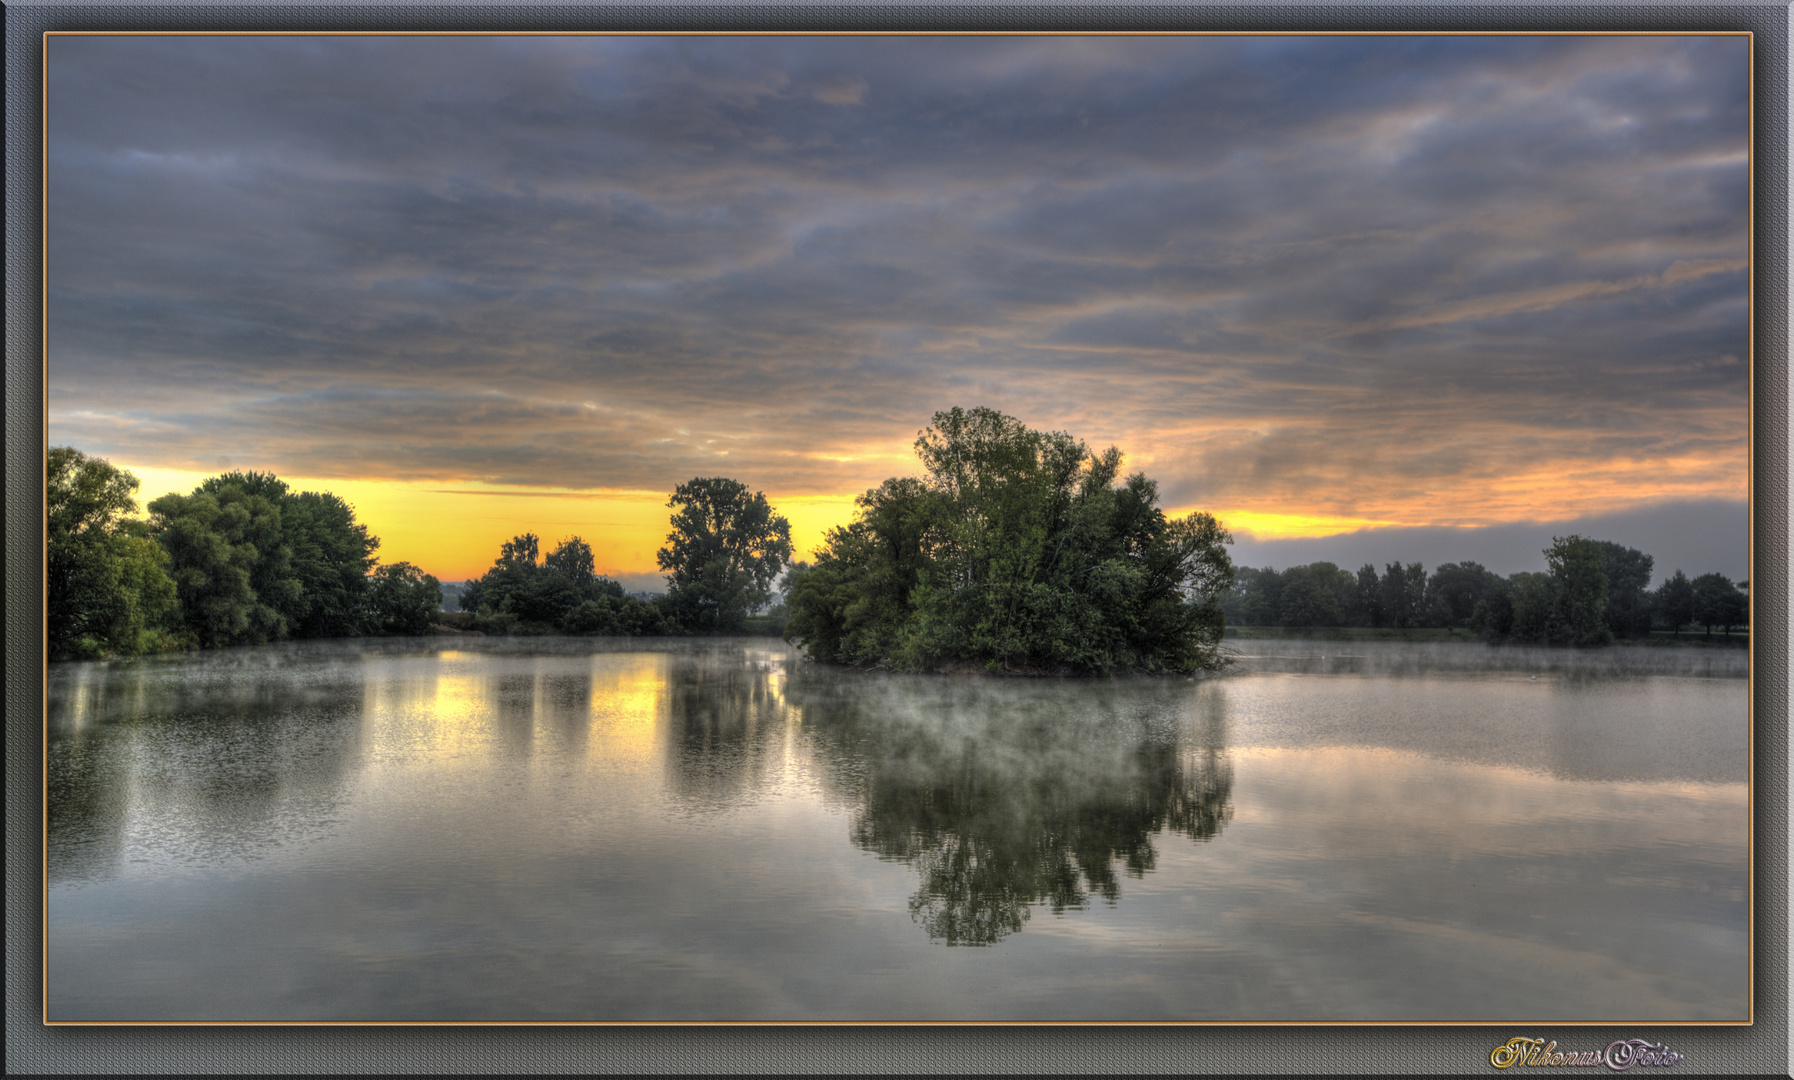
pixel 330 555
pixel 726 549
pixel 240 560
pixel 244 560
pixel 1018 550
pixel 1592 592
pixel 528 593
pixel 108 586
pixel 401 599
pixel 255 562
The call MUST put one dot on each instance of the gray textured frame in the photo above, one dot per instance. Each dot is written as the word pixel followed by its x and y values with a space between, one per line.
pixel 1762 1049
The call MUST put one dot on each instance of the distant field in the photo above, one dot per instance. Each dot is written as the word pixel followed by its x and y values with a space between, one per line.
pixel 1738 640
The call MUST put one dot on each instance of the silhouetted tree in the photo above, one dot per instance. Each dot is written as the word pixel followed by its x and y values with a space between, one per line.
pixel 1366 607
pixel 1673 605
pixel 1579 574
pixel 1537 616
pixel 1314 595
pixel 526 592
pixel 1255 599
pixel 1403 594
pixel 726 549
pixel 330 556
pixel 254 561
pixel 1628 570
pixel 1493 617
pixel 573 559
pixel 1718 602
pixel 1455 590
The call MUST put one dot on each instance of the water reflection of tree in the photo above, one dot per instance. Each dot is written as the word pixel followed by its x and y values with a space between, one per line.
pixel 723 717
pixel 223 759
pixel 1004 797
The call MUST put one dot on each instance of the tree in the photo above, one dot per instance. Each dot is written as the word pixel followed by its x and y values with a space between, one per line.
pixel 1579 573
pixel 520 551
pixel 573 558
pixel 330 555
pixel 1312 595
pixel 1366 604
pixel 527 592
pixel 1673 605
pixel 401 599
pixel 108 589
pixel 1535 615
pixel 254 561
pixel 272 574
pixel 1455 590
pixel 1718 602
pixel 1256 598
pixel 726 549
pixel 221 544
pixel 1628 570
pixel 1493 617
pixel 1017 550
pixel 1402 595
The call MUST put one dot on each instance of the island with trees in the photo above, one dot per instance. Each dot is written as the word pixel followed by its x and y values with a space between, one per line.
pixel 1017 551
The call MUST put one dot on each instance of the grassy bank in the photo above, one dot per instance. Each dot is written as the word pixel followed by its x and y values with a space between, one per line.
pixel 765 625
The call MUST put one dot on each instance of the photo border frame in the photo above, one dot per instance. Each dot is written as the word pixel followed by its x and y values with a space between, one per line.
pixel 1760 1049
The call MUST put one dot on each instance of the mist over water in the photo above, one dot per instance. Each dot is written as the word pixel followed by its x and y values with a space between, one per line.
pixel 1432 658
pixel 586 829
pixel 1005 796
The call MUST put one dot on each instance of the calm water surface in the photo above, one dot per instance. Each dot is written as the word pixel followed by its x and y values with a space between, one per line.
pixel 578 829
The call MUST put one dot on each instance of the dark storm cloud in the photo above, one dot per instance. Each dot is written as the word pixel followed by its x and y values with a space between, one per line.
pixel 1334 271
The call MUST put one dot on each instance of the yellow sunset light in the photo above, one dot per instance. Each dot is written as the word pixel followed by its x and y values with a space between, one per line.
pixel 454 529
pixel 1276 526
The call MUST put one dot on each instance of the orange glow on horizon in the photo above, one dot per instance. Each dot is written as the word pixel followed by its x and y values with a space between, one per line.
pixel 454 529
pixel 1543 492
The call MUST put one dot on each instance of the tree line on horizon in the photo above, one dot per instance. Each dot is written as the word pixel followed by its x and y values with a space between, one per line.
pixel 1592 592
pixel 240 560
pixel 724 552
pixel 244 560
pixel 1017 550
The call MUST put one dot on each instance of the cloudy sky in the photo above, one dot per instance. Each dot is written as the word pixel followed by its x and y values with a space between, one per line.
pixel 1432 297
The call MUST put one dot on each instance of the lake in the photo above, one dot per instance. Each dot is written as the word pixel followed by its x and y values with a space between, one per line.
pixel 460 829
